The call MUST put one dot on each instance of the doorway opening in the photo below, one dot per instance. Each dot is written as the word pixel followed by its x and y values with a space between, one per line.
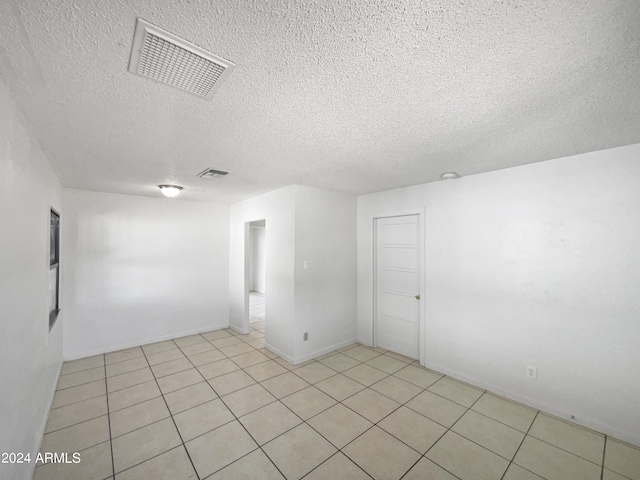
pixel 398 321
pixel 257 277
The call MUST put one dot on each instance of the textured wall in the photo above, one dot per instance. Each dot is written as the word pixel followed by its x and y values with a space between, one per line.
pixel 30 354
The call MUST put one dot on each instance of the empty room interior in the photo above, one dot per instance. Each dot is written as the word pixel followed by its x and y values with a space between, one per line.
pixel 298 239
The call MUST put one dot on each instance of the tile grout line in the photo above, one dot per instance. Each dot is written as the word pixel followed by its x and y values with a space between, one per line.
pixel 106 387
pixel 172 420
pixel 236 418
pixel 520 446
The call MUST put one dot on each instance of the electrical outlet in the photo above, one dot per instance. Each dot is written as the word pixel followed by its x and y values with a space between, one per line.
pixel 532 372
pixel 305 336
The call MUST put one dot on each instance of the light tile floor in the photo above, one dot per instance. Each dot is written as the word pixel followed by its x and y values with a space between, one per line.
pixel 218 405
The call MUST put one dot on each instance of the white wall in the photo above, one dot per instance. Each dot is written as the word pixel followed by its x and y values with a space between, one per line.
pixel 30 355
pixel 257 266
pixel 326 291
pixel 277 208
pixel 535 265
pixel 141 269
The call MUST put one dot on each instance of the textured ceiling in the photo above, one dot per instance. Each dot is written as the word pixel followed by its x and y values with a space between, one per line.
pixel 349 95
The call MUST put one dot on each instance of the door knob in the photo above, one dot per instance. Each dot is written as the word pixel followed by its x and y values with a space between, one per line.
pixel 417 297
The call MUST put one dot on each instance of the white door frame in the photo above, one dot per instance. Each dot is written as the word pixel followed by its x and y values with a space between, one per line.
pixel 247 260
pixel 421 275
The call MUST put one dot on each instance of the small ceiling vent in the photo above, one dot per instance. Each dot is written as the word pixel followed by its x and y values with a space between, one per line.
pixel 162 56
pixel 212 173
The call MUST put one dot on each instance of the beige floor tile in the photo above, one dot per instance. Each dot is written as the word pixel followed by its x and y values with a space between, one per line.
pixel 169 368
pixel 371 405
pixel 339 362
pixel 142 444
pixel 489 433
pixel 360 353
pixel 314 372
pixel 248 399
pixel 197 348
pixel 255 336
pixel 381 455
pixel 298 451
pixel 255 465
pixel 455 391
pixel 127 366
pixel 399 390
pixel 505 411
pixel 350 346
pixel 129 379
pixel 202 419
pixel 158 347
pixel 79 393
pixel 437 408
pixel 189 340
pixel 269 354
pixel 516 472
pixel 171 465
pixel 265 370
pixel 226 341
pixel 247 359
pixel 285 364
pixel 414 429
pixel 609 475
pixel 179 380
pixel 308 402
pixel 572 438
pixel 419 376
pixel 130 396
pixel 622 458
pixel 465 459
pixel 137 416
pixel 207 357
pixel 123 355
pixel 553 463
pixel 95 464
pixel 365 374
pixel 218 448
pixel 426 469
pixel 257 343
pixel 216 335
pixel 166 356
pixel 76 413
pixel 338 467
pixel 231 382
pixel 339 387
pixel 87 363
pixel 339 425
pixel 215 369
pixel 266 423
pixel 237 349
pixel 402 358
pixel 77 437
pixel 285 384
pixel 386 364
pixel 80 378
pixel 189 397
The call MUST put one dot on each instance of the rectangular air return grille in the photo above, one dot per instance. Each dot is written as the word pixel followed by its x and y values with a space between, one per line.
pixel 162 56
pixel 212 173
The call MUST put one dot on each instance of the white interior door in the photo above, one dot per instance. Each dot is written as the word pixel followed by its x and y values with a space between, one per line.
pixel 397 284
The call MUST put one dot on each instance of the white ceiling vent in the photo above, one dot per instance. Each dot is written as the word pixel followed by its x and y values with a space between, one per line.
pixel 162 56
pixel 212 173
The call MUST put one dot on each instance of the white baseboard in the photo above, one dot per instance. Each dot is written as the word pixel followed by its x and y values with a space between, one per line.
pixel 235 328
pixel 115 348
pixel 322 351
pixel 279 353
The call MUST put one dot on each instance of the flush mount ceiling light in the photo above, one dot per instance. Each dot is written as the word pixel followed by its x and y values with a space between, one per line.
pixel 449 176
pixel 170 190
pixel 167 58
